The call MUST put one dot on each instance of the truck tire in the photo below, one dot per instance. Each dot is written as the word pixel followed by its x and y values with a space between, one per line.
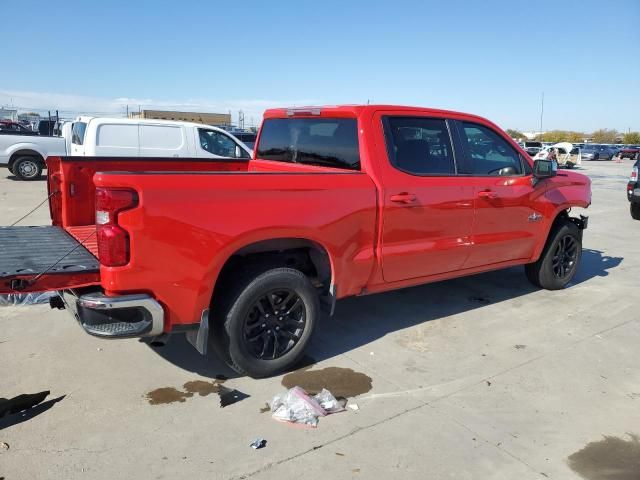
pixel 267 320
pixel 27 168
pixel 634 208
pixel 560 257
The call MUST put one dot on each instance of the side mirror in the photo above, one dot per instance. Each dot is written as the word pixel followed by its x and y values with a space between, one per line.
pixel 545 168
pixel 238 152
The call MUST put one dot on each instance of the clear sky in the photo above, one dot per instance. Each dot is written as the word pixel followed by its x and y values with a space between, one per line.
pixel 492 58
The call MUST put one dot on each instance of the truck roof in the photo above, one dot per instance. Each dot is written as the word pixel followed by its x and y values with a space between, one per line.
pixel 357 110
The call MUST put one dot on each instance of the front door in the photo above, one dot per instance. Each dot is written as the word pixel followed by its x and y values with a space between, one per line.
pixel 428 209
pixel 508 207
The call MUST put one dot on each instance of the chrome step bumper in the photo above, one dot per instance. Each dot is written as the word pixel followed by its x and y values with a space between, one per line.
pixel 124 316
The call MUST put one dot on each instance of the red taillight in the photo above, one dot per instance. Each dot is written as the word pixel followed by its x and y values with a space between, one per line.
pixel 634 175
pixel 113 240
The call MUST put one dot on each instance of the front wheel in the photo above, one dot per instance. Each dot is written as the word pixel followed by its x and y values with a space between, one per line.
pixel 27 168
pixel 268 321
pixel 560 257
pixel 635 211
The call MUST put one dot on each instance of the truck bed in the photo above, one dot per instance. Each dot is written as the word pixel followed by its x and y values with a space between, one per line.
pixel 26 252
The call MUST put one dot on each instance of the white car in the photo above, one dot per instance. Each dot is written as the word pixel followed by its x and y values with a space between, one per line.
pixel 119 137
pixel 564 153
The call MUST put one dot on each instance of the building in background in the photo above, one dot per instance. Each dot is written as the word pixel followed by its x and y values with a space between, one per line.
pixel 215 119
pixel 8 114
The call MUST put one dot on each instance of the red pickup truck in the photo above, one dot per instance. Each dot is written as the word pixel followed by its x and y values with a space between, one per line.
pixel 245 255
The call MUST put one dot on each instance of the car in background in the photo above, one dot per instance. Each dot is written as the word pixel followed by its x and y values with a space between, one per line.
pixel 249 139
pixel 629 151
pixel 598 152
pixel 633 192
pixel 532 148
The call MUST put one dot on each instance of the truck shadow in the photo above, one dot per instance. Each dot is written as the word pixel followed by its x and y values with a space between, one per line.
pixel 361 320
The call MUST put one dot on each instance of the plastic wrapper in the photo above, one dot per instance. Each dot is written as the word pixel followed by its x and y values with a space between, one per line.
pixel 22 299
pixel 296 406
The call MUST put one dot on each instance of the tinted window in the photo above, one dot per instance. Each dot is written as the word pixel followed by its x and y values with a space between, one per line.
pixel 487 153
pixel 77 132
pixel 329 142
pixel 419 145
pixel 220 144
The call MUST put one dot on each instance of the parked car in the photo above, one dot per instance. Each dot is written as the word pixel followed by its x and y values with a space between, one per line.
pixel 248 138
pixel 98 136
pixel 629 151
pixel 564 153
pixel 633 192
pixel 532 148
pixel 244 254
pixel 24 155
pixel 598 152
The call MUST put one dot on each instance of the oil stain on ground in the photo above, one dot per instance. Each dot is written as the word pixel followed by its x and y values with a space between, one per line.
pixel 203 388
pixel 341 382
pixel 612 458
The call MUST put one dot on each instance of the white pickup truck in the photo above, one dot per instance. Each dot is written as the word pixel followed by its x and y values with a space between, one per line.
pixel 115 137
pixel 24 155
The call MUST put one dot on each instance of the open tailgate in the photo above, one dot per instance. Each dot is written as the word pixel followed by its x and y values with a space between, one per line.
pixel 37 259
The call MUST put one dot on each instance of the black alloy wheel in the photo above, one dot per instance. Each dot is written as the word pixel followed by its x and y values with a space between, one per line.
pixel 565 256
pixel 275 324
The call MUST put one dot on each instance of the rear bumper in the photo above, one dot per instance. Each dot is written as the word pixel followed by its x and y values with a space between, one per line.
pixel 124 316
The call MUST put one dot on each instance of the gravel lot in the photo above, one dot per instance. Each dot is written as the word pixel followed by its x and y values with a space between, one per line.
pixel 477 378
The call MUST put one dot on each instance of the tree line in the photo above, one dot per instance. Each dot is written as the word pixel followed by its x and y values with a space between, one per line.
pixel 604 135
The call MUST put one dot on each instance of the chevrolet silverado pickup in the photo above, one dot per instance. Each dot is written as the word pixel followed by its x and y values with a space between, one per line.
pixel 246 255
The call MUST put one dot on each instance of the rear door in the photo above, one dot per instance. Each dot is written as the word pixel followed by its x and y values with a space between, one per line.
pixel 428 209
pixel 508 207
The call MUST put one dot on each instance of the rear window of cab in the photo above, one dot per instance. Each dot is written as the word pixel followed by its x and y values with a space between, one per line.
pixel 326 142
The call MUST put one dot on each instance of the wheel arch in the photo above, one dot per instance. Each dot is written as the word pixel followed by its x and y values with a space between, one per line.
pixel 25 152
pixel 306 255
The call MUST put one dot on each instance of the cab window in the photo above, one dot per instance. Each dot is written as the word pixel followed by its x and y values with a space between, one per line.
pixel 486 153
pixel 419 145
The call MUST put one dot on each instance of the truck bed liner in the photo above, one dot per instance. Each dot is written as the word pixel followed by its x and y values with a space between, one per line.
pixel 31 250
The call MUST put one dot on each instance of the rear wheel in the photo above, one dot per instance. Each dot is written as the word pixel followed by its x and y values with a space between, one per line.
pixel 635 211
pixel 559 260
pixel 27 168
pixel 267 321
pixel 570 165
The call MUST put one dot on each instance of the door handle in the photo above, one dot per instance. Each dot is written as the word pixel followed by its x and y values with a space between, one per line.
pixel 403 197
pixel 487 194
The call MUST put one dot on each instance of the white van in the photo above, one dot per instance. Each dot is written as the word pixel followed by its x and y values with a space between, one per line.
pixel 119 137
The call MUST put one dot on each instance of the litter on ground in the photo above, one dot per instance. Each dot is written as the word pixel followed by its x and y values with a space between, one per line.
pixel 297 406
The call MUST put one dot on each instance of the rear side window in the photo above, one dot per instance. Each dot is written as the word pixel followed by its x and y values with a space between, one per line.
pixel 419 145
pixel 487 153
pixel 327 142
pixel 77 132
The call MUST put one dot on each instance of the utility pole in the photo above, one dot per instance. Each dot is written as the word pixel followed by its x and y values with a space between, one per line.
pixel 127 111
pixel 541 114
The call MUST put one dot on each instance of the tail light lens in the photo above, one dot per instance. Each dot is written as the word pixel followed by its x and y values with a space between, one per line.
pixel 634 175
pixel 113 240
